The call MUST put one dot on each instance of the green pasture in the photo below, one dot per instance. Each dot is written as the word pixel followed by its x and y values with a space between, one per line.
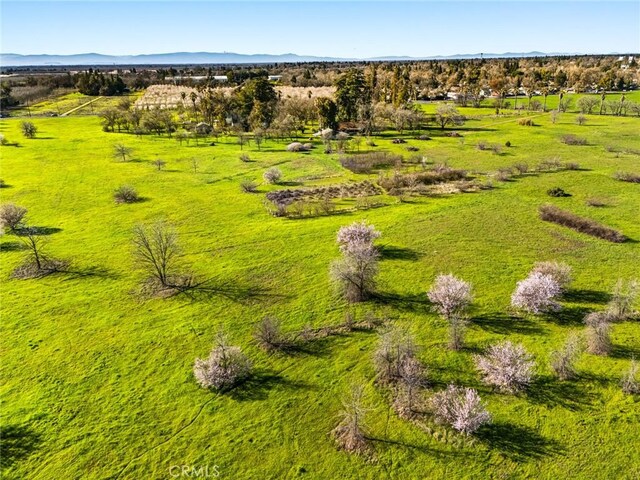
pixel 97 380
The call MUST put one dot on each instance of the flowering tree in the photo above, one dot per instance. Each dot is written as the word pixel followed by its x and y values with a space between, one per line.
pixel 461 408
pixel 357 236
pixel 350 434
pixel 536 293
pixel 450 297
pixel 560 272
pixel 355 272
pixel 506 366
pixel 225 367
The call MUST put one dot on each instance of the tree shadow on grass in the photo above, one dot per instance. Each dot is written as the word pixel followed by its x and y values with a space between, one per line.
pixel 42 230
pixel 391 252
pixel 89 272
pixel 260 383
pixel 519 443
pixel 12 247
pixel 410 302
pixel 210 288
pixel 552 392
pixel 18 442
pixel 586 296
pixel 502 323
pixel 625 351
pixel 568 316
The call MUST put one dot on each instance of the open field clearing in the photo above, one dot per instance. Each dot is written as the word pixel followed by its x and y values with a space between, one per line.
pixel 98 378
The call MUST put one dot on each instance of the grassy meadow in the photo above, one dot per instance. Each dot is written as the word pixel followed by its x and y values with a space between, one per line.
pixel 97 379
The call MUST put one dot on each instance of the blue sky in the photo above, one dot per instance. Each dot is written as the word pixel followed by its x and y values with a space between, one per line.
pixel 354 29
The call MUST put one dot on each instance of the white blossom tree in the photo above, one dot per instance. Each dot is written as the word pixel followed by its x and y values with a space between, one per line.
pixel 506 366
pixel 461 408
pixel 537 294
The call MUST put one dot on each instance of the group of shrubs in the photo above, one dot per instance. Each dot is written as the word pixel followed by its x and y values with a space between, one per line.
pixel 550 213
pixel 367 162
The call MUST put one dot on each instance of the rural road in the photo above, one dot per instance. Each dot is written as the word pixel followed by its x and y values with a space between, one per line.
pixel 81 106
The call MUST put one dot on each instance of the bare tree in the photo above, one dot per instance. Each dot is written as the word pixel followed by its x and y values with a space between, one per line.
pixel 448 115
pixel 156 248
pixel 159 163
pixel 461 408
pixel 122 152
pixel 12 216
pixel 225 367
pixel 350 434
pixel 506 366
pixel 630 383
pixel 622 304
pixel 598 333
pixel 272 175
pixel 355 274
pixel 38 263
pixel 269 334
pixel 563 361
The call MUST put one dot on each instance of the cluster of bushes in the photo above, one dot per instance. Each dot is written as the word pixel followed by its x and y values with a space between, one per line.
pixel 367 162
pixel 496 148
pixel 284 198
pixel 627 177
pixel 437 174
pixel 571 139
pixel 550 213
pixel 526 122
pixel 299 147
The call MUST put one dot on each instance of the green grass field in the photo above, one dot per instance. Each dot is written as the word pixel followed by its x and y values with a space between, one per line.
pixel 97 382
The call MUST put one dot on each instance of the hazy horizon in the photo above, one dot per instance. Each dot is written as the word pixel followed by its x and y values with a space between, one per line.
pixel 323 29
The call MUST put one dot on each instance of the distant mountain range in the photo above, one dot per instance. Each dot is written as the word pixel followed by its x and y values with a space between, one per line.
pixel 191 58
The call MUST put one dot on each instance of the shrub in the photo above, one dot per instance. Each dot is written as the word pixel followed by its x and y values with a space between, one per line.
pixel 461 408
pixel 507 143
pixel 356 237
pixel 29 130
pixel 623 300
pixel 248 186
pixel 3 140
pixel 571 139
pixel 437 174
pixel 225 367
pixel 557 192
pixel 571 166
pixel 553 214
pixel 521 168
pixel 630 383
pixel 598 333
pixel 526 122
pixel 536 294
pixel 506 366
pixel 627 177
pixel 411 148
pixel 298 147
pixel 245 157
pixel 503 174
pixel 12 216
pixel 595 202
pixel 125 194
pixel 563 361
pixel 560 272
pixel 496 148
pixel 272 175
pixel 350 434
pixel 482 145
pixel 581 119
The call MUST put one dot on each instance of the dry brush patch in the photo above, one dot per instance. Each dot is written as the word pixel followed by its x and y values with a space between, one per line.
pixel 550 213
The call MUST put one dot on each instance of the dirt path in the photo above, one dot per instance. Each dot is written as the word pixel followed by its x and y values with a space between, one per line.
pixel 81 106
